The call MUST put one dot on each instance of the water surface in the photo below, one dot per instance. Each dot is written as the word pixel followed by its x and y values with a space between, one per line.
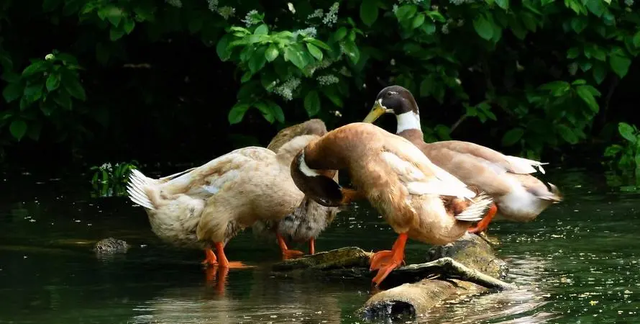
pixel 577 263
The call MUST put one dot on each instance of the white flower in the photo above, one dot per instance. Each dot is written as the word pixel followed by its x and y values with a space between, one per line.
pixel 175 3
pixel 307 32
pixel 213 5
pixel 328 79
pixel 628 2
pixel 286 89
pixel 395 8
pixel 332 16
pixel 316 14
pixel 250 18
pixel 291 7
pixel 227 12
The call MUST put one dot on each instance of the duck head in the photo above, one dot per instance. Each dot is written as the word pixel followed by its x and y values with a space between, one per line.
pixel 400 102
pixel 316 184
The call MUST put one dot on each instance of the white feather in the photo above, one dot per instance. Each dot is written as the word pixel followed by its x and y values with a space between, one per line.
pixel 526 166
pixel 476 211
pixel 305 169
pixel 135 188
pixel 416 181
pixel 408 120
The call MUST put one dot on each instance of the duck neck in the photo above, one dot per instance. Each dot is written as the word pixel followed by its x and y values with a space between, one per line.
pixel 413 135
pixel 408 120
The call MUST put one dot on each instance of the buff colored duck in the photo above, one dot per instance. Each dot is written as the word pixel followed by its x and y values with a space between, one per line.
pixel 206 206
pixel 309 219
pixel 417 198
pixel 518 195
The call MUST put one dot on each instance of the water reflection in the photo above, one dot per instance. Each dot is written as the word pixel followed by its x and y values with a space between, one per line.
pixel 578 263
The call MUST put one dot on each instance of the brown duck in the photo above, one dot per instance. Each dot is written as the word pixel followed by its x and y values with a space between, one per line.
pixel 309 219
pixel 417 198
pixel 518 195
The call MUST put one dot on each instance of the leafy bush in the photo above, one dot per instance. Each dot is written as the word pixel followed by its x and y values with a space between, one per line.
pixel 532 73
pixel 110 180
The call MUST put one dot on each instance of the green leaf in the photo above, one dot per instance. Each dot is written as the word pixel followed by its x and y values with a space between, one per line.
pixel 312 103
pixel 271 53
pixel 620 64
pixel 567 134
pixel 33 92
pixel 266 111
pixel 586 95
pixel 369 12
pixel 557 88
pixel 579 24
pixel 612 150
pixel 73 86
pixel 262 30
pixel 596 7
pixel 112 13
pixel 53 81
pixel 627 132
pixel 34 130
pixel 11 77
pixel 223 53
pixel 406 12
pixel 513 136
pixel 599 72
pixel 529 21
pixel 351 49
pixel 12 92
pixel 428 27
pixel 340 34
pixel 316 52
pixel 277 111
pixel 246 77
pixel 237 113
pixel 483 27
pixel 35 67
pixel 294 56
pixel 417 21
pixel 115 34
pixel 504 4
pixel 636 39
pixel 317 43
pixel 63 99
pixel 573 53
pixel 128 26
pixel 426 85
pixel 18 128
pixel 258 59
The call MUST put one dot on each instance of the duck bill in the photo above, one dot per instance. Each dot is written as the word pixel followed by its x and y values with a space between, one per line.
pixel 375 113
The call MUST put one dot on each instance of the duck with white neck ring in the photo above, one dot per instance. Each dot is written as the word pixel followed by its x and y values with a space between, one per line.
pixel 518 195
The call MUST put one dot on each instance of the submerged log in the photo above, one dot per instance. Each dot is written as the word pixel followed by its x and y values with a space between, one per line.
pixel 467 266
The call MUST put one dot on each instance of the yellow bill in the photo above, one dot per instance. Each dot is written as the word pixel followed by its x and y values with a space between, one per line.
pixel 377 111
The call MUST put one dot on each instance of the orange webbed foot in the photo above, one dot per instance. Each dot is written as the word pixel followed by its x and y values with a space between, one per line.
pixel 386 261
pixel 291 254
pixel 379 259
pixel 484 223
pixel 386 270
pixel 210 259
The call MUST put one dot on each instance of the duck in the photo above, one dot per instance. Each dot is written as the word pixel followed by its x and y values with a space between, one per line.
pixel 309 219
pixel 518 195
pixel 418 199
pixel 206 206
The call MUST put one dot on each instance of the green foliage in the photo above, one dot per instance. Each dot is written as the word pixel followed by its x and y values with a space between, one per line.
pixel 531 73
pixel 624 158
pixel 111 180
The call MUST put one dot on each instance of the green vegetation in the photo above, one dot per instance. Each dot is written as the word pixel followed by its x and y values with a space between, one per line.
pixel 533 75
pixel 111 180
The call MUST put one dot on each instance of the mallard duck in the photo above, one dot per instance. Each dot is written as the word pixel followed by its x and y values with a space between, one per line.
pixel 417 198
pixel 208 205
pixel 518 195
pixel 309 219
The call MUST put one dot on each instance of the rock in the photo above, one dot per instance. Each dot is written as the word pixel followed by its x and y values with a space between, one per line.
pixel 110 246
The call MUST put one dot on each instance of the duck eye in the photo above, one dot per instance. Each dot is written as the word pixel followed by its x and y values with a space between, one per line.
pixel 389 94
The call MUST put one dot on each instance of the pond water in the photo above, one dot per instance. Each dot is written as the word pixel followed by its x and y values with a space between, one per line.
pixel 578 262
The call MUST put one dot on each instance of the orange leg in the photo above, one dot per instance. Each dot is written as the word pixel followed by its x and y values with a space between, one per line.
pixel 383 258
pixel 210 259
pixel 390 262
pixel 286 253
pixel 484 223
pixel 312 246
pixel 222 259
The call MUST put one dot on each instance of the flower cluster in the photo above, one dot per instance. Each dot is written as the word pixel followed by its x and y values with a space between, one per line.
pixel 226 12
pixel 328 19
pixel 251 18
pixel 286 89
pixel 459 2
pixel 307 32
pixel 328 79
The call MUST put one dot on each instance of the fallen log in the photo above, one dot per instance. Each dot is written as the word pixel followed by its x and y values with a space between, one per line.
pixel 465 267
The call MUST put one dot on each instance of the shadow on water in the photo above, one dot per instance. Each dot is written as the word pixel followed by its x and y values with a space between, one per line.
pixel 577 263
